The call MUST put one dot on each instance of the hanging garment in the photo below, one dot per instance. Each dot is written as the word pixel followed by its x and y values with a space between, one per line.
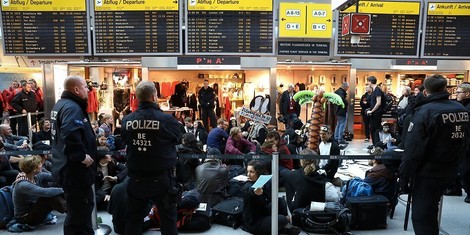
pixel 92 101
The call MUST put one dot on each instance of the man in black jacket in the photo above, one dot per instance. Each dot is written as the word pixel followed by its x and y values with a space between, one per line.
pixel 206 97
pixel 25 102
pixel 341 113
pixel 151 137
pixel 73 155
pixel 435 144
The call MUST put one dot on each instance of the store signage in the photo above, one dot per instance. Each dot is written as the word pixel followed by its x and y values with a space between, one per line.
pixel 446 31
pixel 49 28
pixel 209 62
pixel 303 48
pixel 416 62
pixel 230 27
pixel 137 28
pixel 305 20
pixel 394 30
pixel 255 116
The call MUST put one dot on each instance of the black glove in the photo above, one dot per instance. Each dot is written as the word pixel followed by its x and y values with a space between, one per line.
pixel 404 186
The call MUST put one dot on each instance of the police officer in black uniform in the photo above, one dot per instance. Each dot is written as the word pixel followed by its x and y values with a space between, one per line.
pixel 436 142
pixel 73 155
pixel 151 137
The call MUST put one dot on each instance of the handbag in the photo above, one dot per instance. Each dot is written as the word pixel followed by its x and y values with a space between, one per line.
pixel 229 212
pixel 332 220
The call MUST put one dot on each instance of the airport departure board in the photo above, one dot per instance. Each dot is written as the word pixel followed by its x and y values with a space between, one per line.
pixel 394 30
pixel 137 27
pixel 230 27
pixel 45 27
pixel 446 30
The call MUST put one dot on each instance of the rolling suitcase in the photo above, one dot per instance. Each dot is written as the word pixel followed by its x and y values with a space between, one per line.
pixel 368 212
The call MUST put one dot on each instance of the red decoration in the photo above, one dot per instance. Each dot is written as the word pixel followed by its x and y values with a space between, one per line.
pixel 346 25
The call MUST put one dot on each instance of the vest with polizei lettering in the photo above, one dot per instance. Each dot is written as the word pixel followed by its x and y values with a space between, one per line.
pixel 151 137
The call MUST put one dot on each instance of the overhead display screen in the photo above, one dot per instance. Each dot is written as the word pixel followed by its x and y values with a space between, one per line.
pixel 46 27
pixel 446 30
pixel 394 30
pixel 137 27
pixel 229 27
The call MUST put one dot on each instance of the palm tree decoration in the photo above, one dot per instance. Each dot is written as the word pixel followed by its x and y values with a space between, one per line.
pixel 319 100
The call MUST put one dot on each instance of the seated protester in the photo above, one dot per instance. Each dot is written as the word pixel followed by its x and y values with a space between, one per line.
pixel 257 205
pixel 201 132
pixel 212 180
pixel 118 208
pixel 304 185
pixel 236 144
pixel 107 124
pixel 101 140
pixel 108 174
pixel 7 173
pixel 13 143
pixel 382 180
pixel 282 149
pixel 295 144
pixel 46 158
pixel 186 167
pixel 385 139
pixel 231 123
pixel 328 146
pixel 32 202
pixel 217 137
pixel 45 133
pixel 96 127
pixel 188 125
pixel 268 148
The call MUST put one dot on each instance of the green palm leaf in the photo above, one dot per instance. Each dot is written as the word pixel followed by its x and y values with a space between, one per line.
pixel 334 98
pixel 304 97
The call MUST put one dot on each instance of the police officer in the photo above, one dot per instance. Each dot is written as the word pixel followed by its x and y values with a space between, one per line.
pixel 436 142
pixel 151 137
pixel 73 155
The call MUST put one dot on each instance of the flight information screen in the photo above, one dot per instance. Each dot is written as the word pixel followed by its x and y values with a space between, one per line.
pixel 230 27
pixel 394 30
pixel 46 27
pixel 138 27
pixel 446 30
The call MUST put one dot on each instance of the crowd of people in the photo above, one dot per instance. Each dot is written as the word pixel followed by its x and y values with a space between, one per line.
pixel 431 130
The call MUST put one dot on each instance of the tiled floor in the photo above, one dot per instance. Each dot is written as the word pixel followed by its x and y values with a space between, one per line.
pixel 455 213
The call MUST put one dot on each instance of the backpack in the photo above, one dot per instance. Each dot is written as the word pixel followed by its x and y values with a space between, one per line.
pixel 6 206
pixel 357 187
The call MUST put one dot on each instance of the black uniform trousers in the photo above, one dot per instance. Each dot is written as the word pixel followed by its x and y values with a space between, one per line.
pixel 465 174
pixel 156 189
pixel 366 120
pixel 208 113
pixel 79 209
pixel 427 193
pixel 375 121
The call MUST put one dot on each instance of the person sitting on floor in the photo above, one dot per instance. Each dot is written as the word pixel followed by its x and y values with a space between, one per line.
pixel 257 205
pixel 328 146
pixel 236 144
pixel 382 180
pixel 108 173
pixel 304 185
pixel 385 138
pixel 33 203
pixel 186 167
pixel 212 180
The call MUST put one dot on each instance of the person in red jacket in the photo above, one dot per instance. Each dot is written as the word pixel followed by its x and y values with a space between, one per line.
pixel 282 149
pixel 8 95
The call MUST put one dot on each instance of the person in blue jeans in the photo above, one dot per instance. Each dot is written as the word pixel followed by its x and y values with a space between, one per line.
pixel 341 113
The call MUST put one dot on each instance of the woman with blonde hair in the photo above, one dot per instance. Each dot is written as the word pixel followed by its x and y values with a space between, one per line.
pixel 32 200
pixel 305 184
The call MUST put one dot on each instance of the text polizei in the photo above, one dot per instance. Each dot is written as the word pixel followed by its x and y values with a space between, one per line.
pixel 143 125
